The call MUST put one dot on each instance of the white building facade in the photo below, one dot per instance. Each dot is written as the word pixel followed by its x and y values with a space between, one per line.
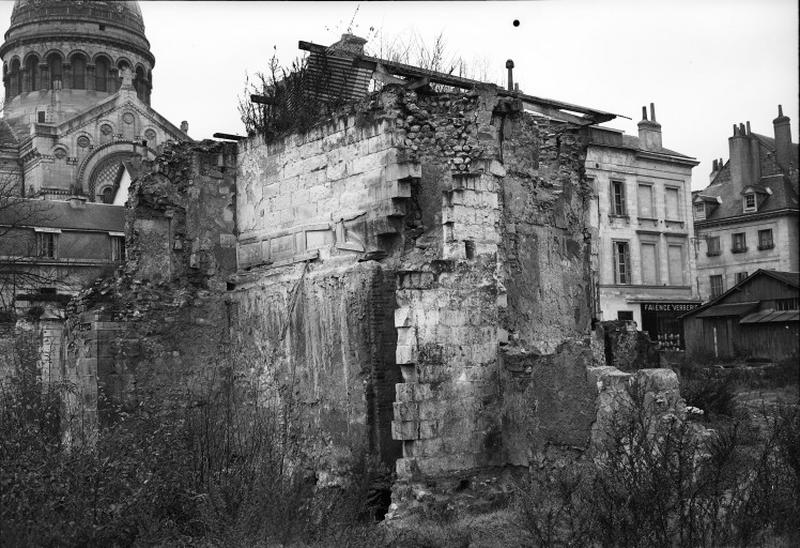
pixel 642 216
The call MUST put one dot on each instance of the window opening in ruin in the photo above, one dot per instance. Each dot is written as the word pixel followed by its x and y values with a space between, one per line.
pixel 626 315
pixel 47 291
pixel 749 202
pixel 622 263
pixel 765 239
pixel 469 249
pixel 41 117
pixel 714 248
pixel 117 248
pixel 46 244
pixel 787 304
pixel 740 276
pixel 618 198
pixel 716 285
pixel 739 241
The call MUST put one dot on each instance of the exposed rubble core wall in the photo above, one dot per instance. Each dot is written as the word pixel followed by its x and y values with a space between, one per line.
pixel 160 329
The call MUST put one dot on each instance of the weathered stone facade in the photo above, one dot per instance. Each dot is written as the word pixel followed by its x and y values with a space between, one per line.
pixel 469 216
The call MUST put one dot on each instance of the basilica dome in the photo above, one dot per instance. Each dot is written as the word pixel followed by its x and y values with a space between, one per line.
pixel 122 14
pixel 80 47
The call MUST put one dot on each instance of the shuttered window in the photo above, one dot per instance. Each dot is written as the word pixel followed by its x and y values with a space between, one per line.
pixel 649 264
pixel 671 198
pixel 676 266
pixel 645 199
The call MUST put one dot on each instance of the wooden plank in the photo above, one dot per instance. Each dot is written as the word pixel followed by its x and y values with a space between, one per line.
pixel 410 71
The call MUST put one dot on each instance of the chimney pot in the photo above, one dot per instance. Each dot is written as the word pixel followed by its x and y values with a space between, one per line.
pixel 510 67
pixel 780 111
pixel 748 127
pixel 644 113
pixel 652 112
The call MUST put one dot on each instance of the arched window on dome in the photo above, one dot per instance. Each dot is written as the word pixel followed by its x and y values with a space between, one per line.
pixel 31 73
pixel 56 66
pixel 16 77
pixel 101 74
pixel 121 66
pixel 139 83
pixel 78 62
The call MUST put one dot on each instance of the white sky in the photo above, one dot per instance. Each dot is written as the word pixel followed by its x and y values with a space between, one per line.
pixel 706 64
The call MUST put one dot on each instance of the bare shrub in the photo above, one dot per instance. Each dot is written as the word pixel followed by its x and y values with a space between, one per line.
pixel 659 481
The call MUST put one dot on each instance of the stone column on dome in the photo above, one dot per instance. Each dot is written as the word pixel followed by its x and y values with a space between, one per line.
pixel 66 82
pixel 113 80
pixel 44 77
pixel 90 77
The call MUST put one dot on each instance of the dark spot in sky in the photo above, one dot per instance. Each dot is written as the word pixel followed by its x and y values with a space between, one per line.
pixel 516 22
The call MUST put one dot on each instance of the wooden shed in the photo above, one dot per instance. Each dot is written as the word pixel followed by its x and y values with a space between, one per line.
pixel 759 317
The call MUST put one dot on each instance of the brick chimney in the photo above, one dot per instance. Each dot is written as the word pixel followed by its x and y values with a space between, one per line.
pixel 741 162
pixel 649 130
pixel 716 167
pixel 783 140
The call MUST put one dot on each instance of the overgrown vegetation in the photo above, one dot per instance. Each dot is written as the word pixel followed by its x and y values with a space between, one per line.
pixel 664 482
pixel 216 470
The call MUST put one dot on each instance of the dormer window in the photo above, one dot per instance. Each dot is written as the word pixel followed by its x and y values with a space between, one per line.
pixel 749 202
pixel 700 211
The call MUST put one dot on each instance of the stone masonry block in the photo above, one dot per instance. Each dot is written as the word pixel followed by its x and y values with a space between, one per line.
pixel 403 316
pixel 428 447
pixel 428 429
pixel 405 430
pixel 412 391
pixel 406 354
pixel 406 336
pixel 406 467
pixel 607 377
pixel 657 380
pixel 406 411
pixel 429 410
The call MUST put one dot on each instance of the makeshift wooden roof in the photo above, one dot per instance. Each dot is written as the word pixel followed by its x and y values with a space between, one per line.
pixel 350 72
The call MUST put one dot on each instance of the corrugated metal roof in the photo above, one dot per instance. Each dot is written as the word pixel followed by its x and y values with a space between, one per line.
pixel 732 309
pixel 768 316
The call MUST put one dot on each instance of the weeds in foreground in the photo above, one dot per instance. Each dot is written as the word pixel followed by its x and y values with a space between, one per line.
pixel 219 471
pixel 663 482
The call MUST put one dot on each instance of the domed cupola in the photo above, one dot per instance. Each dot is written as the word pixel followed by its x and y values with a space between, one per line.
pixel 80 48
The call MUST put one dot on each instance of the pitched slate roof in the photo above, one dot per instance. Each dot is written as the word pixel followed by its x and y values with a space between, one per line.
pixel 62 215
pixel 632 142
pixel 785 192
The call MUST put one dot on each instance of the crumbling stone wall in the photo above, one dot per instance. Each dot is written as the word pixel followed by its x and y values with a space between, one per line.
pixel 476 210
pixel 159 329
